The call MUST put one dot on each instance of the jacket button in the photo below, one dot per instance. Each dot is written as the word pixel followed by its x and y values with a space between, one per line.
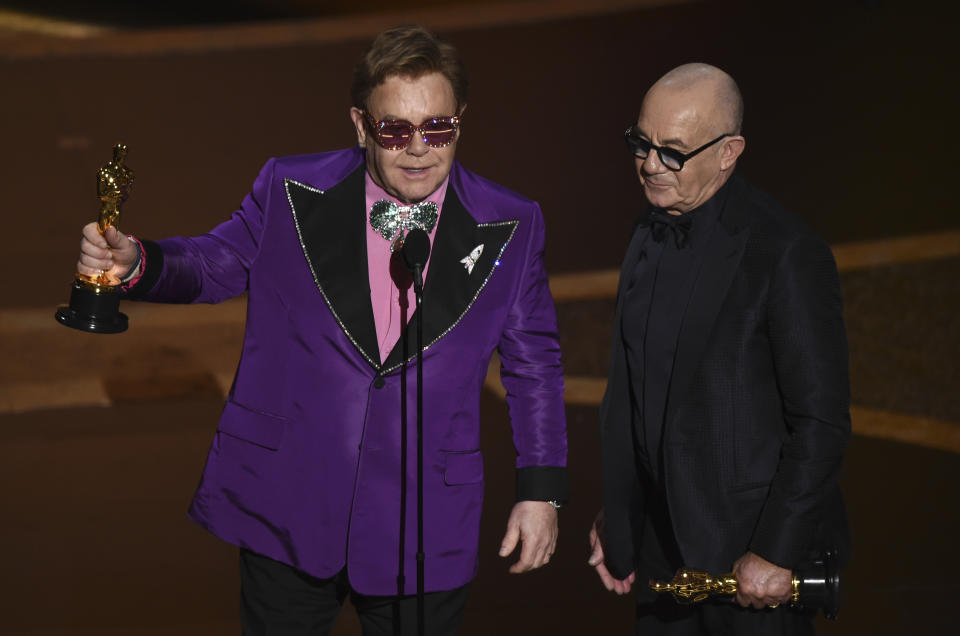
pixel 378 382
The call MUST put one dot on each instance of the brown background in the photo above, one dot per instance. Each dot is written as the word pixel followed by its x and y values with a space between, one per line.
pixel 850 123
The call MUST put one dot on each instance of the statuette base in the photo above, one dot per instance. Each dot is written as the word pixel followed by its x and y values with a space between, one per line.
pixel 93 311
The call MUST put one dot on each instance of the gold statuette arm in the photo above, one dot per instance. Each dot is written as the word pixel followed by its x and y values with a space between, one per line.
pixel 693 586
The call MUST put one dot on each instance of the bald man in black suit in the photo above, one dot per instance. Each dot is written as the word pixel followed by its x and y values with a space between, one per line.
pixel 726 414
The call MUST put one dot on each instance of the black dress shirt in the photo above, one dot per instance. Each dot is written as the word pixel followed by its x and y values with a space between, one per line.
pixel 655 302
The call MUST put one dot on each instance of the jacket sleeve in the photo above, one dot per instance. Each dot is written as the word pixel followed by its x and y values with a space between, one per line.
pixel 809 345
pixel 532 375
pixel 211 267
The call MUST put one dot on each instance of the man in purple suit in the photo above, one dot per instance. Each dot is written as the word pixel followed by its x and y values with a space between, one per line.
pixel 305 471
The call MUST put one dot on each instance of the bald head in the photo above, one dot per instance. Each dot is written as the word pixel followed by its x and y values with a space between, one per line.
pixel 691 117
pixel 715 88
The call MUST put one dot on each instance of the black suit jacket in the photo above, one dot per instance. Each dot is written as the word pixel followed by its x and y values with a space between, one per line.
pixel 757 415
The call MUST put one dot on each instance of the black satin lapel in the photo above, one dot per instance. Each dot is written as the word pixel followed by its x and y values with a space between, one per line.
pixel 618 371
pixel 719 266
pixel 617 374
pixel 332 230
pixel 450 290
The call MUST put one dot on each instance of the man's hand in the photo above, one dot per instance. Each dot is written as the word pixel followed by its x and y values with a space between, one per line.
pixel 534 524
pixel 596 561
pixel 111 252
pixel 761 583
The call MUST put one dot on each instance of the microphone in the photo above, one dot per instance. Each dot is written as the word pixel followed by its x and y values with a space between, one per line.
pixel 415 251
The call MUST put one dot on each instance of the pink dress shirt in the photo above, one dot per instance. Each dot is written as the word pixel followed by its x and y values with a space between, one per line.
pixel 384 295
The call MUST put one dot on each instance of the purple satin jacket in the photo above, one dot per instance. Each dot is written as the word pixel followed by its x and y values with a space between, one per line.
pixel 305 465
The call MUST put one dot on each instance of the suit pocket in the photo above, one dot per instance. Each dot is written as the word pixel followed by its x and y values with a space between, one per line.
pixel 463 467
pixel 256 427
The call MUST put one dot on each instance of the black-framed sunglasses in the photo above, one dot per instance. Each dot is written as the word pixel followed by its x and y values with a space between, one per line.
pixel 672 159
pixel 396 134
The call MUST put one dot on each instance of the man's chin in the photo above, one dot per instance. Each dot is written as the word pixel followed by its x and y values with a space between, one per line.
pixel 659 197
pixel 416 194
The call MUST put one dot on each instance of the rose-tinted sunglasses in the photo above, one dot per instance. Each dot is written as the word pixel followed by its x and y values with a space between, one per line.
pixel 396 134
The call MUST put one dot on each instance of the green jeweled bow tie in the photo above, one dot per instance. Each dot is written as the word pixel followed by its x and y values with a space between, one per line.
pixel 391 221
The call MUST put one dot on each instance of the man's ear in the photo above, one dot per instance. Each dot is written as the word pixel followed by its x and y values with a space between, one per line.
pixel 733 147
pixel 356 115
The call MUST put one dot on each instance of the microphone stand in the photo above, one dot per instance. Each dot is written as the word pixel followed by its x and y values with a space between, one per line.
pixel 416 251
pixel 401 568
pixel 421 556
pixel 401 578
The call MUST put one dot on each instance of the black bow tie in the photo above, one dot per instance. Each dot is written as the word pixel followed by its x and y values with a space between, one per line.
pixel 680 225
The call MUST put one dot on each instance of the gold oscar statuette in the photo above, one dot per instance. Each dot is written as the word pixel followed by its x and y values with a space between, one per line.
pixel 94 300
pixel 816 586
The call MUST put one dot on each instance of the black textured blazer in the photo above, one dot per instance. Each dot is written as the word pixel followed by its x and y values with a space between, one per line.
pixel 757 416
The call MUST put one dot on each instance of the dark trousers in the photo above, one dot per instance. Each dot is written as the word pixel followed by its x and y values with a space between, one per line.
pixel 666 618
pixel 280 600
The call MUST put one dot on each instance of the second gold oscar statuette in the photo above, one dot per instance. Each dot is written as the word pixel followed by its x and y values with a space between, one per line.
pixel 817 585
